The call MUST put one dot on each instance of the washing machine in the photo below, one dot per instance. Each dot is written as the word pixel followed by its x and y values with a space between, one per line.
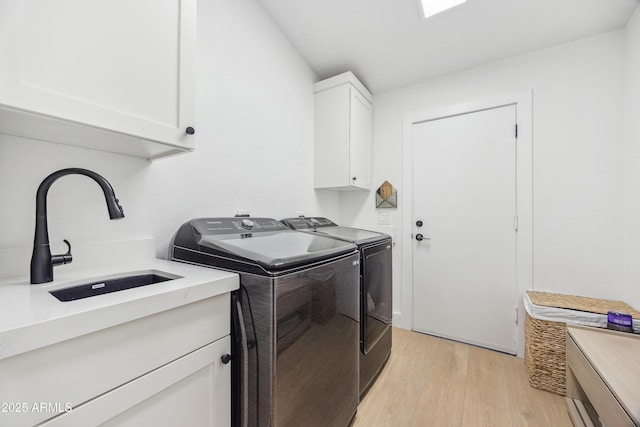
pixel 375 251
pixel 295 319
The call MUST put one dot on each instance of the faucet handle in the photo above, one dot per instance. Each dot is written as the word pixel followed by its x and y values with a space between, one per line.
pixel 64 258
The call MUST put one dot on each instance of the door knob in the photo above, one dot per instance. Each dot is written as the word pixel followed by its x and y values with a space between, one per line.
pixel 420 237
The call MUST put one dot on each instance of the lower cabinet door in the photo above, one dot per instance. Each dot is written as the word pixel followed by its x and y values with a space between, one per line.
pixel 194 390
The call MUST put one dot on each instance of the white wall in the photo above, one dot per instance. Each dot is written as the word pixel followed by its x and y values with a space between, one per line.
pixel 255 127
pixel 632 159
pixel 254 149
pixel 577 159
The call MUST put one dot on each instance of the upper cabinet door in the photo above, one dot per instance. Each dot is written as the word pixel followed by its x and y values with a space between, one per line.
pixel 360 146
pixel 115 75
pixel 343 134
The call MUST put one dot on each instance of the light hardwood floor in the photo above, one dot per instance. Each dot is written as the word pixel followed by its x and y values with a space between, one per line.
pixel 429 381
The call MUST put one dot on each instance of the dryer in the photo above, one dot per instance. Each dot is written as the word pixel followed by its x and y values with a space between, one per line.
pixel 375 289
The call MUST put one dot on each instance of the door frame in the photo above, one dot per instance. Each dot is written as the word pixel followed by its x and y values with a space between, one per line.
pixel 524 197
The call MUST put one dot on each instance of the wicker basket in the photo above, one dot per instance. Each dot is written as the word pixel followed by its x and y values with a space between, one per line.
pixel 545 344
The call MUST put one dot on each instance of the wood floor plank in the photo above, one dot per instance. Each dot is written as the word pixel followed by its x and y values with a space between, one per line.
pixel 551 408
pixel 477 413
pixel 442 398
pixel 429 381
pixel 406 377
pixel 486 380
pixel 400 339
pixel 523 408
pixel 452 357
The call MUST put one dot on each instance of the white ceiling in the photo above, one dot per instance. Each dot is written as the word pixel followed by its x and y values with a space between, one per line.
pixel 388 45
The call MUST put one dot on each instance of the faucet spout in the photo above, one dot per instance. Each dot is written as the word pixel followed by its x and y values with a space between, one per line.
pixel 42 262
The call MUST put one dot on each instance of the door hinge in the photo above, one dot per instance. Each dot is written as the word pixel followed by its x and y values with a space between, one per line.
pixel 516 130
pixel 515 223
pixel 516 314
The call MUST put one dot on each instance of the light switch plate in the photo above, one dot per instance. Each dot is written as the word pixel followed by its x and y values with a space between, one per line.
pixel 384 218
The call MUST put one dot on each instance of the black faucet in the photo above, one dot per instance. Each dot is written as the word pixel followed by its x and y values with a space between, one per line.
pixel 42 262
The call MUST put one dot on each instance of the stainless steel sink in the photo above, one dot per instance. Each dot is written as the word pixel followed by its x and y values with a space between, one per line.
pixel 100 287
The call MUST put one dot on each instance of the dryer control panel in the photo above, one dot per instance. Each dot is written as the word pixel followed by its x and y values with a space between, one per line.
pixel 303 223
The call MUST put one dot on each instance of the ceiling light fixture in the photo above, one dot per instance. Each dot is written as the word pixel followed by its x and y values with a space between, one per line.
pixel 433 7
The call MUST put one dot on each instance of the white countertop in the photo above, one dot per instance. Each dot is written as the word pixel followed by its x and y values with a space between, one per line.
pixel 31 318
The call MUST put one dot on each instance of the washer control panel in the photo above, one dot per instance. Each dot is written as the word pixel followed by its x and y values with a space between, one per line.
pixel 218 226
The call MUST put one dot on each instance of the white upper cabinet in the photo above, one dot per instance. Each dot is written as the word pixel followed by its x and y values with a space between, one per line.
pixel 343 134
pixel 112 75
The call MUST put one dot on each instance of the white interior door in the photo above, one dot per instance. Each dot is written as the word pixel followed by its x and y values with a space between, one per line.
pixel 464 192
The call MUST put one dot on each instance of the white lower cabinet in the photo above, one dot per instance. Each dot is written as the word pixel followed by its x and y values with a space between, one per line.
pixel 191 391
pixel 161 370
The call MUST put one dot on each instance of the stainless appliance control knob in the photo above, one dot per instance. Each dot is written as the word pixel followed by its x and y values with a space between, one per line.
pixel 247 223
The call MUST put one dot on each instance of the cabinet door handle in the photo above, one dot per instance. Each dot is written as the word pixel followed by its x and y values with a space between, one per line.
pixel 190 131
pixel 353 179
pixel 225 358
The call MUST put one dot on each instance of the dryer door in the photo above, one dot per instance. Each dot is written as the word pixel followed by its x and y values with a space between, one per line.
pixel 376 306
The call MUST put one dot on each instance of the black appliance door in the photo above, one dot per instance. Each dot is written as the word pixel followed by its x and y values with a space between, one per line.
pixel 316 350
pixel 376 304
pixel 296 346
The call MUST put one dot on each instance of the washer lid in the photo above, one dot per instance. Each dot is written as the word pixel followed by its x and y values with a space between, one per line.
pixel 267 242
pixel 321 225
pixel 350 234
